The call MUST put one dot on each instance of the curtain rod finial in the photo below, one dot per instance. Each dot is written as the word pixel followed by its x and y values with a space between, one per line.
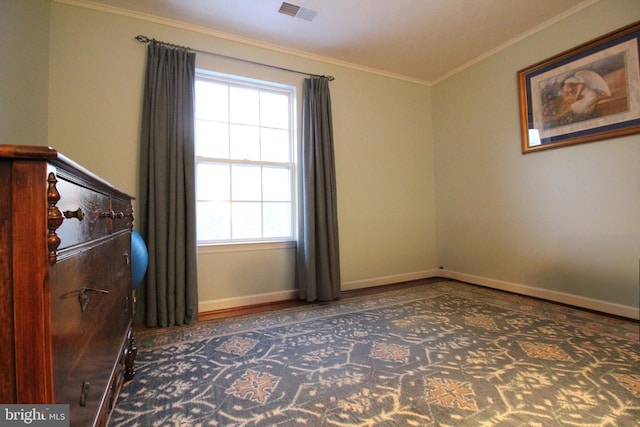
pixel 142 39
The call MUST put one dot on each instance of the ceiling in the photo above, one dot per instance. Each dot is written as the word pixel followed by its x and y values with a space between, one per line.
pixel 420 40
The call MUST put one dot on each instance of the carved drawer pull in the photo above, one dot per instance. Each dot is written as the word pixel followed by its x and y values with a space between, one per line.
pixel 74 214
pixel 83 296
pixel 116 215
pixel 84 394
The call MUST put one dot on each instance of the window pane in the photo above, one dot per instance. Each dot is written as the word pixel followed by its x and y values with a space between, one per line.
pixel 212 101
pixel 213 220
pixel 275 145
pixel 245 182
pixel 245 142
pixel 245 160
pixel 244 106
pixel 212 139
pixel 246 221
pixel 212 181
pixel 274 110
pixel 277 220
pixel 276 184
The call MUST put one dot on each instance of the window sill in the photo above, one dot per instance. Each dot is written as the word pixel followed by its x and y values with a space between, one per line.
pixel 245 247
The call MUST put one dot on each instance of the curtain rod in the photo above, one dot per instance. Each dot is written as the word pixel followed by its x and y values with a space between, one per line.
pixel 145 40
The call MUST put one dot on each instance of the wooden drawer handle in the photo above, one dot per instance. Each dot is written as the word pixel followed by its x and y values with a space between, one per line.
pixel 83 296
pixel 84 393
pixel 117 215
pixel 74 214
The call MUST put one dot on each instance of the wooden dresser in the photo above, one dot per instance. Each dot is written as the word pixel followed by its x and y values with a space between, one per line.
pixel 65 285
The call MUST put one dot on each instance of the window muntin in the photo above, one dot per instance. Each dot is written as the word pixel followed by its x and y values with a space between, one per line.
pixel 245 161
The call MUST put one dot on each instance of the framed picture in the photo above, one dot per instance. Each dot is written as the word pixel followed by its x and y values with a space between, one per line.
pixel 589 93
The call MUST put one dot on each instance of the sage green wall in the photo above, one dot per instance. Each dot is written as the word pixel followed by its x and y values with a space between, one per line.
pixel 382 132
pixel 24 71
pixel 566 219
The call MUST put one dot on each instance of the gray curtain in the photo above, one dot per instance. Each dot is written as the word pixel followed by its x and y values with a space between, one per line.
pixel 167 181
pixel 318 257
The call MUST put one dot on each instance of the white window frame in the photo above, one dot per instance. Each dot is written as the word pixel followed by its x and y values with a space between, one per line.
pixel 238 81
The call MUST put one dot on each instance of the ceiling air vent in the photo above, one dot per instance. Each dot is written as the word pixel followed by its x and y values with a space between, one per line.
pixel 296 11
pixel 289 9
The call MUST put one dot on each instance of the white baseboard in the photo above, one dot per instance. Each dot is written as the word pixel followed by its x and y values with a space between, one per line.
pixel 249 300
pixel 547 294
pixel 246 301
pixel 387 280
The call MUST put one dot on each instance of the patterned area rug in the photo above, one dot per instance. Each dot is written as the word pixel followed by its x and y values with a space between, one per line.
pixel 441 354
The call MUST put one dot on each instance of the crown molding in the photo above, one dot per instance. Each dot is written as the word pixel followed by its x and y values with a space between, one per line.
pixel 87 4
pixel 235 38
pixel 517 39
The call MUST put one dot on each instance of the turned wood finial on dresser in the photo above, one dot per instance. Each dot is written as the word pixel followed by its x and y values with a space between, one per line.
pixel 54 217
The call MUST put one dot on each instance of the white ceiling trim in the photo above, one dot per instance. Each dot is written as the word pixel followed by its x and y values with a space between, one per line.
pixel 282 49
pixel 235 38
pixel 518 39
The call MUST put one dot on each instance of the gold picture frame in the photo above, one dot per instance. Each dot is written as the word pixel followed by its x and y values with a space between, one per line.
pixel 588 93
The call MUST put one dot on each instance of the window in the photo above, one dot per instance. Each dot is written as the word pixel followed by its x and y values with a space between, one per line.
pixel 245 160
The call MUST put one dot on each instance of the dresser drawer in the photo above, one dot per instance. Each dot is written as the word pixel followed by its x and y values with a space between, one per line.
pixel 87 388
pixel 91 312
pixel 85 213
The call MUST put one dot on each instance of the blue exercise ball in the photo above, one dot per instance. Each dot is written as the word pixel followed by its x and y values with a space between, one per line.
pixel 139 258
